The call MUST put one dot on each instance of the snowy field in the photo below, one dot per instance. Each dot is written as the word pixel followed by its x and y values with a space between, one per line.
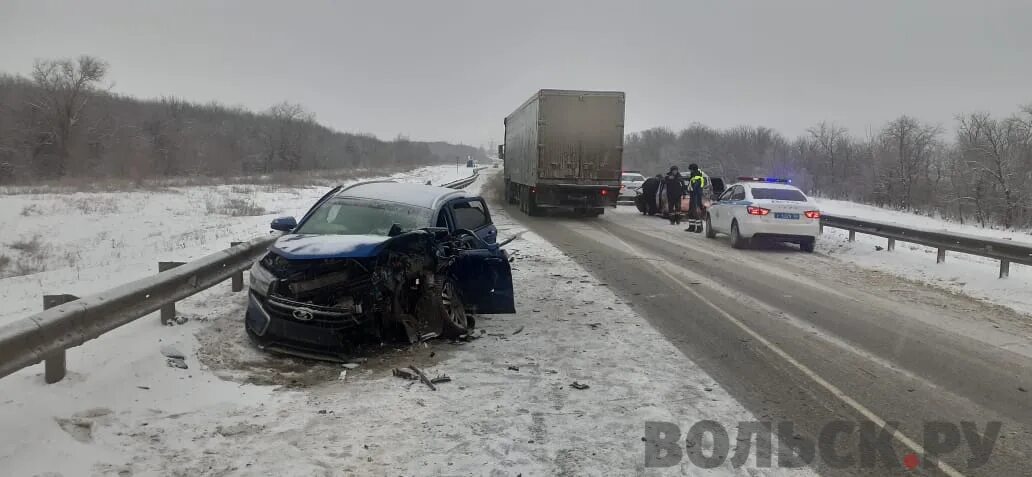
pixel 82 243
pixel 968 274
pixel 509 409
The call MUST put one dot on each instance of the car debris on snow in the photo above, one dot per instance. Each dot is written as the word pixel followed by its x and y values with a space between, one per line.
pixel 441 379
pixel 177 363
pixel 422 377
pixel 405 373
pixel 514 368
pixel 350 365
pixel 343 375
pixel 579 386
pixel 518 331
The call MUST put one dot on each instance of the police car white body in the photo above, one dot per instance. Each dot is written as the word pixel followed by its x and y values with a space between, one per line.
pixel 764 208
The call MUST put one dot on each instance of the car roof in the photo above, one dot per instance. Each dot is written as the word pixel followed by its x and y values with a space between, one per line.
pixel 429 197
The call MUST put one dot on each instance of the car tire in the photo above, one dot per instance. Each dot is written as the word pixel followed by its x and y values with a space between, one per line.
pixel 710 233
pixel 737 241
pixel 808 245
pixel 454 318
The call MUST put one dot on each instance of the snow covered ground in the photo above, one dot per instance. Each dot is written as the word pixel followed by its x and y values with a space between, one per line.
pixel 969 274
pixel 509 409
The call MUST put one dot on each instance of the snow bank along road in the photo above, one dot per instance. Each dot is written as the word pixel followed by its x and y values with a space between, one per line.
pixel 809 339
pixel 510 408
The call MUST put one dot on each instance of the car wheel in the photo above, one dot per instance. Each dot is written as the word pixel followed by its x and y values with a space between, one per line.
pixel 710 233
pixel 453 312
pixel 808 245
pixel 737 241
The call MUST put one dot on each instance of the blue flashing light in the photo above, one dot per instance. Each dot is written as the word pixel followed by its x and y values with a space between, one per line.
pixel 772 180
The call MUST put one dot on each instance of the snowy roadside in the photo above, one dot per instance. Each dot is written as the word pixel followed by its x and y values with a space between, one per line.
pixel 85 243
pixel 509 409
pixel 967 274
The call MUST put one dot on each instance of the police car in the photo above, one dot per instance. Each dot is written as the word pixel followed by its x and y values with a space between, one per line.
pixel 764 208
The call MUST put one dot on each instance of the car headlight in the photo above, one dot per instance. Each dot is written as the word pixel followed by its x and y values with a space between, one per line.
pixel 261 279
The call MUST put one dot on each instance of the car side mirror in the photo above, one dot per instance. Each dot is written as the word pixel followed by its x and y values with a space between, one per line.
pixel 284 224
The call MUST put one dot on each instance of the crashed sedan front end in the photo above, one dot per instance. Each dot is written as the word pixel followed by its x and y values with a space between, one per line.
pixel 318 295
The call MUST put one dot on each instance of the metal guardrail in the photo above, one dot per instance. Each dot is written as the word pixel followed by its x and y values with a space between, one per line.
pixel 1006 251
pixel 463 182
pixel 70 321
pixel 46 335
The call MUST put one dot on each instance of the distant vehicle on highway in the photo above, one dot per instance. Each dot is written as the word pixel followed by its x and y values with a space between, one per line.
pixel 372 259
pixel 762 208
pixel 564 150
pixel 630 182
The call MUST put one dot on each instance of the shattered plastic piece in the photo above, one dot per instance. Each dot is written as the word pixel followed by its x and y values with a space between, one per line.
pixel 441 379
pixel 181 320
pixel 350 365
pixel 577 385
pixel 514 368
pixel 405 373
pixel 343 375
pixel 177 363
pixel 423 378
pixel 518 331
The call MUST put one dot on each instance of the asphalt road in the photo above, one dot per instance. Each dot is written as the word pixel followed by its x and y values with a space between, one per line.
pixel 810 340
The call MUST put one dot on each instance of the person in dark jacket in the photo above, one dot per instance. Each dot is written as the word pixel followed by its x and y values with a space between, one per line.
pixel 696 186
pixel 673 184
pixel 648 191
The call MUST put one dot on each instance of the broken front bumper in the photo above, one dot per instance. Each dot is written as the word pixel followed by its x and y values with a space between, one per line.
pixel 301 329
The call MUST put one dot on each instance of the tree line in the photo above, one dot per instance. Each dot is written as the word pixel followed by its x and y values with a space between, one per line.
pixel 61 122
pixel 981 174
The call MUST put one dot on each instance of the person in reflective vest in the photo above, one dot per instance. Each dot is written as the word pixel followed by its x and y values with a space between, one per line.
pixel 696 186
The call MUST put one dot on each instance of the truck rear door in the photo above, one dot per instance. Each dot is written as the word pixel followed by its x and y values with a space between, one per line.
pixel 581 136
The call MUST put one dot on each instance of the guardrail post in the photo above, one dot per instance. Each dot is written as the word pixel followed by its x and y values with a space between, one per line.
pixel 941 256
pixel 1004 268
pixel 54 368
pixel 168 311
pixel 852 235
pixel 892 244
pixel 238 278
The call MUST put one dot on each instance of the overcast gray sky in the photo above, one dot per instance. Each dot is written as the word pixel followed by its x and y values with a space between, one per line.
pixel 452 70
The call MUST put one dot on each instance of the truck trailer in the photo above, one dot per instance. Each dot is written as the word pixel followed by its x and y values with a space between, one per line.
pixel 564 150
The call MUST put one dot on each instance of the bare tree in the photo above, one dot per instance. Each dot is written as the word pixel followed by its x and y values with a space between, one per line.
pixel 994 149
pixel 912 145
pixel 65 87
pixel 828 142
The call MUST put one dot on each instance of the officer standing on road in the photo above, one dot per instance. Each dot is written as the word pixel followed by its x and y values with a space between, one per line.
pixel 649 189
pixel 696 186
pixel 673 183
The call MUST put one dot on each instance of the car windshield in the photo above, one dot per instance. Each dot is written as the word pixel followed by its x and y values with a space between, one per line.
pixel 778 194
pixel 343 216
pixel 632 178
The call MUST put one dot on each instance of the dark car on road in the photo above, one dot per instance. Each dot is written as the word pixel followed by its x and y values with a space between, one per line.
pixel 377 260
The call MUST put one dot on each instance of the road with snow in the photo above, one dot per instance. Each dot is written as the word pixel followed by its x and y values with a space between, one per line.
pixel 808 339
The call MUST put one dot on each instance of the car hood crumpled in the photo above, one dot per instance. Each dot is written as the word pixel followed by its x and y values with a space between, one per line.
pixel 312 247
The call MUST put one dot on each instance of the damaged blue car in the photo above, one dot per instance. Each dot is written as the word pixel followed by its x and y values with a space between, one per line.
pixel 377 261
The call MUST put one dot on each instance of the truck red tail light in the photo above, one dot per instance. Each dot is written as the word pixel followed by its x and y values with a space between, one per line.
pixel 605 192
pixel 812 214
pixel 757 210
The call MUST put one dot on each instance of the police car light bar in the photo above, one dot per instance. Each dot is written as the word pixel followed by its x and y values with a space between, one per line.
pixel 773 180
